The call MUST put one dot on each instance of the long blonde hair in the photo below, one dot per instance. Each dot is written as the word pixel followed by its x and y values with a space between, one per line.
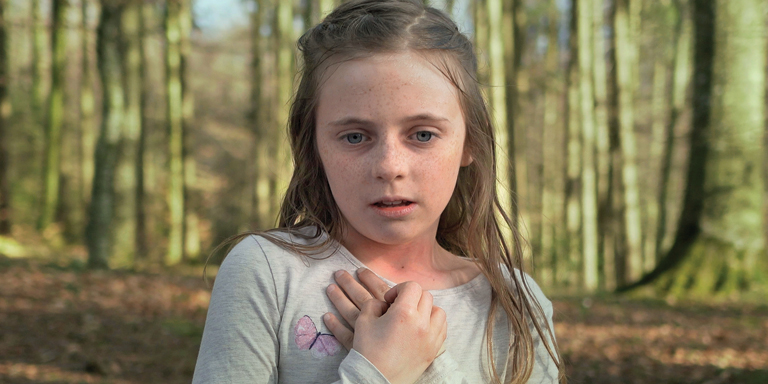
pixel 470 226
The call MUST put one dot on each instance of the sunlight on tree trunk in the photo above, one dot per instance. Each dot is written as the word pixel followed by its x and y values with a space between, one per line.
pixel 625 62
pixel 175 112
pixel 126 178
pixel 572 275
pixel 588 182
pixel 679 87
pixel 87 105
pixel 191 189
pixel 52 153
pixel 498 95
pixel 40 54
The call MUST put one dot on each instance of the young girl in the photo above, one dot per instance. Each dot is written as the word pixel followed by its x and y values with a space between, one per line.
pixel 394 182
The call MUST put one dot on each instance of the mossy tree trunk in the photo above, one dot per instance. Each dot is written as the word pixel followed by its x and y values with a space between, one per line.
pixel 720 237
pixel 5 112
pixel 110 61
pixel 55 117
pixel 677 94
pixel 731 243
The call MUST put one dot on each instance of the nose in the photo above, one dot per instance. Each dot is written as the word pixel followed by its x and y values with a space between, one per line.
pixel 390 160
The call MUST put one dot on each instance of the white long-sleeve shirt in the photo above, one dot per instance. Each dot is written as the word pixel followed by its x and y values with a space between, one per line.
pixel 265 324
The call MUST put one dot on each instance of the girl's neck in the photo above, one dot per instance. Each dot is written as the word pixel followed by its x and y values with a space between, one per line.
pixel 423 261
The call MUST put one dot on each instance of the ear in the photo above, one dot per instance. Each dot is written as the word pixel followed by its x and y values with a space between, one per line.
pixel 466 158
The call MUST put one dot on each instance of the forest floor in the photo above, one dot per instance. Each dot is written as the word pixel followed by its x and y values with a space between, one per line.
pixel 64 324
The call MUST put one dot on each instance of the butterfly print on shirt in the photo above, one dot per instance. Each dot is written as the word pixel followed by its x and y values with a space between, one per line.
pixel 320 344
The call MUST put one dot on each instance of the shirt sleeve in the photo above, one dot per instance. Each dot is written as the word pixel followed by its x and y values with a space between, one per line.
pixel 240 342
pixel 545 369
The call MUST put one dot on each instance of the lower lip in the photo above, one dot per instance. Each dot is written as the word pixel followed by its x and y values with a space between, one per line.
pixel 396 211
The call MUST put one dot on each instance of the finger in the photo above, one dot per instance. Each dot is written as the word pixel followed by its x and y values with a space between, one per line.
pixel 375 285
pixel 408 293
pixel 346 308
pixel 425 304
pixel 354 290
pixel 373 308
pixel 343 334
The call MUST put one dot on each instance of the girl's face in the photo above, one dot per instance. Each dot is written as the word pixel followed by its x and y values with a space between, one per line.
pixel 390 134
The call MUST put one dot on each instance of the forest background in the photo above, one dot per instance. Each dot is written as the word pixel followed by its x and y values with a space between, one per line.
pixel 136 135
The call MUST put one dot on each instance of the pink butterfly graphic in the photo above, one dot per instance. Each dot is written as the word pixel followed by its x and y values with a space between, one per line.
pixel 306 336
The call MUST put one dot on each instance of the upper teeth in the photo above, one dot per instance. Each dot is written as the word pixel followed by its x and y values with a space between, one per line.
pixel 392 202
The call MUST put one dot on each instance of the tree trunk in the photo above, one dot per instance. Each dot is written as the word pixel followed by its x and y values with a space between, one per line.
pixel 552 184
pixel 603 152
pixel 126 172
pixel 87 106
pixel 52 154
pixel 689 225
pixel 40 55
pixel 175 96
pixel 5 114
pixel 625 63
pixel 498 96
pixel 679 81
pixel 191 191
pixel 588 177
pixel 285 70
pixel 260 200
pixel 572 277
pixel 102 200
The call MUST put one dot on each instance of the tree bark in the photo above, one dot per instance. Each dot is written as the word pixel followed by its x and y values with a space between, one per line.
pixel 87 105
pixel 573 163
pixel 175 94
pixel 689 225
pixel 5 114
pixel 285 70
pixel 126 181
pixel 40 53
pixel 102 200
pixel 191 191
pixel 626 59
pixel 52 153
pixel 588 177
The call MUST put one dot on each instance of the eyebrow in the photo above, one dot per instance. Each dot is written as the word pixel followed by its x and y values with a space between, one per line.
pixel 351 120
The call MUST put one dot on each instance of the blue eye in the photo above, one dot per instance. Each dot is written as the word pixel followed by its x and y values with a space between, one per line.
pixel 423 136
pixel 354 138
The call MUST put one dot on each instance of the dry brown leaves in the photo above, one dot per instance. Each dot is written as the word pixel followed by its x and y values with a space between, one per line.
pixel 69 326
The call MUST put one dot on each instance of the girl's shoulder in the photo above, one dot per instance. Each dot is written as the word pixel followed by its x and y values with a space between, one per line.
pixel 524 283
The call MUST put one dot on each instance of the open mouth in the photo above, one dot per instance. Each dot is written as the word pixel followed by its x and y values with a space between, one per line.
pixel 392 204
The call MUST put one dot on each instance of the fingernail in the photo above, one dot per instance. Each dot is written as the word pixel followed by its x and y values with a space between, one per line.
pixel 327 316
pixel 331 288
pixel 338 273
pixel 361 269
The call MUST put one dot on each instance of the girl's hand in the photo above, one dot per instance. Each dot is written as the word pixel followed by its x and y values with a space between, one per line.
pixel 349 296
pixel 401 339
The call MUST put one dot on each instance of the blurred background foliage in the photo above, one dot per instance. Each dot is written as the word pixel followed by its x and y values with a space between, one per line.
pixel 136 135
pixel 141 133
